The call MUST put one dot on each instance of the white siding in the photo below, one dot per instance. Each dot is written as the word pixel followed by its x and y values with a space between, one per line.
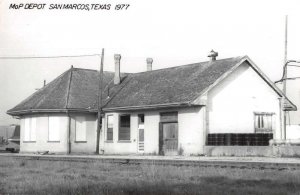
pixel 41 124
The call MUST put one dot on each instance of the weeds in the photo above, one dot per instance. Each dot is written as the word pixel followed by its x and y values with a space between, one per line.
pixel 22 164
pixel 59 177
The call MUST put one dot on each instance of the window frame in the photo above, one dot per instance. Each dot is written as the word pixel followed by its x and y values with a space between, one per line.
pixel 260 116
pixel 141 126
pixel 124 140
pixel 107 127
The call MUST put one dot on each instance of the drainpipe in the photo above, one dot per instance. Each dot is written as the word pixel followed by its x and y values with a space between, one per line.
pixel 69 133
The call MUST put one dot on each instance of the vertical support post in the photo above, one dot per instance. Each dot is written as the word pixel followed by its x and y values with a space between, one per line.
pixel 99 115
pixel 284 77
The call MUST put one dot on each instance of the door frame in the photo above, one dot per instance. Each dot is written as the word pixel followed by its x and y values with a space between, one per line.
pixel 139 142
pixel 160 136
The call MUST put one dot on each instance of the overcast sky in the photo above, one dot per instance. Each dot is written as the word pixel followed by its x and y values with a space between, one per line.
pixel 171 32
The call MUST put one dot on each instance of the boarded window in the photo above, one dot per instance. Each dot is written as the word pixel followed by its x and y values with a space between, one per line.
pixel 80 126
pixel 110 127
pixel 30 129
pixel 124 130
pixel 53 128
pixel 263 122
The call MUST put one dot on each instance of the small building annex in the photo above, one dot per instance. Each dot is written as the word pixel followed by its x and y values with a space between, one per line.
pixel 171 111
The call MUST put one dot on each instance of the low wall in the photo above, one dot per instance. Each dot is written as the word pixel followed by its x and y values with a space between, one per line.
pixel 268 151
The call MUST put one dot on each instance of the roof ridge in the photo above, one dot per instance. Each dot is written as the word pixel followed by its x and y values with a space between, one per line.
pixel 88 69
pixel 26 99
pixel 69 87
pixel 191 64
pixel 93 70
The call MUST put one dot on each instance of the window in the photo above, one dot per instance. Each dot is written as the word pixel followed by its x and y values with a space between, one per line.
pixel 141 118
pixel 124 130
pixel 80 127
pixel 53 128
pixel 263 122
pixel 110 127
pixel 30 129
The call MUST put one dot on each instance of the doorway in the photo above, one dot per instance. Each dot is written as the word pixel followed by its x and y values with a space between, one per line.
pixel 141 131
pixel 168 138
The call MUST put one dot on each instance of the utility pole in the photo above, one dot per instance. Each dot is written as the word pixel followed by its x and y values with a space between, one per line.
pixel 99 118
pixel 284 77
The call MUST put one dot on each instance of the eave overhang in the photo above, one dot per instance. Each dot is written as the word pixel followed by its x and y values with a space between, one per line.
pixel 153 106
pixel 34 111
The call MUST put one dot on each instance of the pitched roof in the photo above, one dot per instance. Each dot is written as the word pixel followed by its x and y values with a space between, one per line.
pixel 176 85
pixel 77 89
pixel 74 89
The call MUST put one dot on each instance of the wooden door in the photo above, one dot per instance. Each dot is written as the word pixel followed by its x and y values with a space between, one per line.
pixel 168 138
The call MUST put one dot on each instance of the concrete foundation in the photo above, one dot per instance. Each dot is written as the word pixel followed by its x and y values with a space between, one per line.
pixel 258 151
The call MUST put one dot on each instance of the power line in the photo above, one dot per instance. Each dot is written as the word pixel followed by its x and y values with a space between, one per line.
pixel 40 57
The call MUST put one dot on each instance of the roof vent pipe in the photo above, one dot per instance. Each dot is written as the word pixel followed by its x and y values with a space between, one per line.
pixel 117 78
pixel 149 64
pixel 213 55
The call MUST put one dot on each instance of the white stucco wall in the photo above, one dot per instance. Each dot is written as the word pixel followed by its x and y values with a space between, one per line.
pixel 190 132
pixel 232 103
pixel 293 132
pixel 61 146
pixel 120 147
pixel 91 134
pixel 42 143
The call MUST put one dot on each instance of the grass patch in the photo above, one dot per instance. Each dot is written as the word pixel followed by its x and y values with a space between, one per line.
pixel 18 176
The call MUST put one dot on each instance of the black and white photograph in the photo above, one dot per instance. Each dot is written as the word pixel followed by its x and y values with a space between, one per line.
pixel 149 97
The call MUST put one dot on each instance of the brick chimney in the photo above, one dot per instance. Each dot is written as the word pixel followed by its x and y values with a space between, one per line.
pixel 117 79
pixel 213 55
pixel 149 64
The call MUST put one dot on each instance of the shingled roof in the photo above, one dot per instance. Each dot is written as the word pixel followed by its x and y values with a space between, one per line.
pixel 177 85
pixel 77 89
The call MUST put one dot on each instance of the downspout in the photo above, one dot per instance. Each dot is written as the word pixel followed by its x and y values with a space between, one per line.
pixel 69 132
pixel 281 118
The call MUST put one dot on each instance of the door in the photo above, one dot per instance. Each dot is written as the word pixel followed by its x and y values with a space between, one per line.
pixel 141 140
pixel 141 137
pixel 168 144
